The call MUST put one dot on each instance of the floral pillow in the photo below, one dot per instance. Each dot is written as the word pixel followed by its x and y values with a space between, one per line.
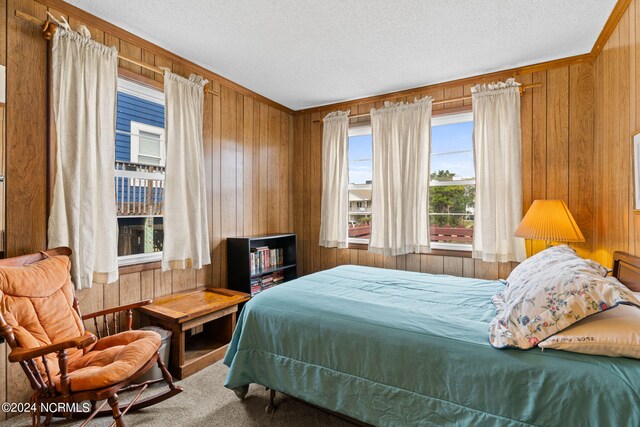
pixel 552 298
pixel 601 269
pixel 524 273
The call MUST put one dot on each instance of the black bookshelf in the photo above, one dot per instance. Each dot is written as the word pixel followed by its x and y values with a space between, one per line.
pixel 239 261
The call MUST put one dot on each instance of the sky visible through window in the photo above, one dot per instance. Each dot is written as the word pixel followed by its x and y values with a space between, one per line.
pixel 360 159
pixel 451 149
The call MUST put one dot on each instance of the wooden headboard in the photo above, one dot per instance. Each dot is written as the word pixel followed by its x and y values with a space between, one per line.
pixel 626 268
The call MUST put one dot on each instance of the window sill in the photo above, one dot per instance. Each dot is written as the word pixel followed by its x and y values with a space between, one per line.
pixel 140 262
pixel 137 268
pixel 438 252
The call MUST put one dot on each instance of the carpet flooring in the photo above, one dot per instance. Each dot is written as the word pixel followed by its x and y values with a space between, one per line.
pixel 205 402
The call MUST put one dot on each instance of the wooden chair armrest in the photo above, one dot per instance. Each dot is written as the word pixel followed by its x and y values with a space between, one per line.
pixel 116 309
pixel 20 354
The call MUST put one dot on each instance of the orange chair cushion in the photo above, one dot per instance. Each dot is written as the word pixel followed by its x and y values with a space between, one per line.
pixel 112 359
pixel 37 302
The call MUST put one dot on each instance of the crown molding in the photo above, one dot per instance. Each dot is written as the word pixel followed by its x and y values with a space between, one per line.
pixel 613 20
pixel 616 14
pixel 87 18
pixel 496 75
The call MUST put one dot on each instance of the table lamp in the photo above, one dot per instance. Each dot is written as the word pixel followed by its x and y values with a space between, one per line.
pixel 551 221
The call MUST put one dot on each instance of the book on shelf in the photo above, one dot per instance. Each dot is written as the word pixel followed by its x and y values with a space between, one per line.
pixel 256 287
pixel 277 277
pixel 266 281
pixel 271 280
pixel 264 259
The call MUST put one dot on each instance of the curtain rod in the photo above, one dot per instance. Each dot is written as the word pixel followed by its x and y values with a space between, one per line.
pixel 523 89
pixel 49 28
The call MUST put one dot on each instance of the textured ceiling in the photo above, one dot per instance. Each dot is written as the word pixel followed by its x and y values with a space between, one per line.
pixel 305 53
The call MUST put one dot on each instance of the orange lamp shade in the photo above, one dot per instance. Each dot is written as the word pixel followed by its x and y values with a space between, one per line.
pixel 549 220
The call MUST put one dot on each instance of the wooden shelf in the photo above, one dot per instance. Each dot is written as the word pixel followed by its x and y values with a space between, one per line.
pixel 200 345
pixel 272 270
pixel 239 251
pixel 201 351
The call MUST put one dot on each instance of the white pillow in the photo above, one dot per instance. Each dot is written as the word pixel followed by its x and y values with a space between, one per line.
pixel 614 332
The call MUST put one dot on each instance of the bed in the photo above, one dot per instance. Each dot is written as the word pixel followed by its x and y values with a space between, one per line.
pixel 395 348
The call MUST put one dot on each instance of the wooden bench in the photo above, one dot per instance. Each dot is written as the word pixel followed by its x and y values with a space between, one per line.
pixel 213 309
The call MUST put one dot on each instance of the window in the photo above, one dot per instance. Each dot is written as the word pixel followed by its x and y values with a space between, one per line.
pixel 139 172
pixel 147 144
pixel 453 186
pixel 360 167
pixel 451 191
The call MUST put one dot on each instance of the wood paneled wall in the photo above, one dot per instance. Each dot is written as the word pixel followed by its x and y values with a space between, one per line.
pixel 558 155
pixel 3 32
pixel 617 118
pixel 248 161
pixel 263 165
pixel 3 61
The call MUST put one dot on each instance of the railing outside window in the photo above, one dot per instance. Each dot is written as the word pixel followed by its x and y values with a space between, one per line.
pixel 139 189
pixel 139 196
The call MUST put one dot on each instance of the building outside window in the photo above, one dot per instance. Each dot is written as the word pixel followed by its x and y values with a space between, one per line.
pixel 452 184
pixel 139 172
pixel 147 144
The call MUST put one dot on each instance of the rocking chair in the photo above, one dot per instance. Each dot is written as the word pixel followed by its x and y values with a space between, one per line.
pixel 67 366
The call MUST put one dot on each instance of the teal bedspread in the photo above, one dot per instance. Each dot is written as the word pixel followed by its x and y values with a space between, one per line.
pixel 395 348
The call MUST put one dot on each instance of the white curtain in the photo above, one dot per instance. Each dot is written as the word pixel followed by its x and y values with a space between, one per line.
pixel 83 214
pixel 334 212
pixel 399 210
pixel 186 235
pixel 498 206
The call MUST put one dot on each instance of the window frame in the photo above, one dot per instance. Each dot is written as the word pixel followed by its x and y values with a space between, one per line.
pixel 143 91
pixel 444 118
pixel 126 260
pixel 357 129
